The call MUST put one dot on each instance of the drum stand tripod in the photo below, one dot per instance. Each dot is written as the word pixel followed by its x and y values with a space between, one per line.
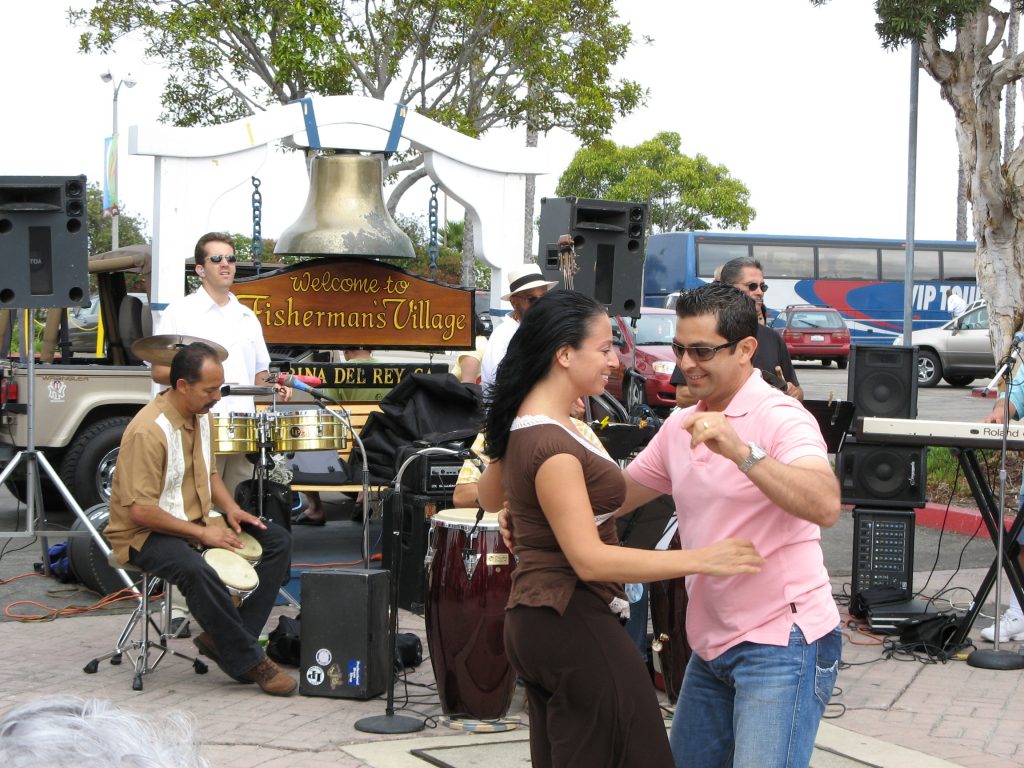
pixel 36 461
pixel 264 461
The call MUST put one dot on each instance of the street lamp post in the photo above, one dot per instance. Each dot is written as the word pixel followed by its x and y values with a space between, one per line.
pixel 106 77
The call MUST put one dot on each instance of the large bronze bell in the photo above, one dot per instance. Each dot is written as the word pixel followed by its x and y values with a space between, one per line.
pixel 345 213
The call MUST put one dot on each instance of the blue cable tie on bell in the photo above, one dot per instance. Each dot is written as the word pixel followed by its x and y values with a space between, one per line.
pixel 397 124
pixel 309 117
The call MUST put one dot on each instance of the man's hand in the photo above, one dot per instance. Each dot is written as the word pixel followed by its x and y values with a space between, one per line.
pixel 998 413
pixel 220 537
pixel 236 517
pixel 714 430
pixel 284 394
pixel 505 526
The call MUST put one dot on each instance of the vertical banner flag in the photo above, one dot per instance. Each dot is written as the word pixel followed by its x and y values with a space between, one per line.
pixel 110 175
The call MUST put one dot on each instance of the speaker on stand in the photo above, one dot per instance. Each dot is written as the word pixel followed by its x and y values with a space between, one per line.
pixel 610 239
pixel 882 381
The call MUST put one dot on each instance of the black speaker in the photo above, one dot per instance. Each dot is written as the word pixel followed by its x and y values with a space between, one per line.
pixel 609 236
pixel 882 381
pixel 883 549
pixel 44 242
pixel 344 634
pixel 882 475
pixel 416 511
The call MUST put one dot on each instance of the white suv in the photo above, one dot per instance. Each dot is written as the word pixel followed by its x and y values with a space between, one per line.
pixel 959 351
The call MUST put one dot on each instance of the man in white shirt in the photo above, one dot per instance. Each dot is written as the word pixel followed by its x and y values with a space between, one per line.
pixel 213 313
pixel 955 303
pixel 525 285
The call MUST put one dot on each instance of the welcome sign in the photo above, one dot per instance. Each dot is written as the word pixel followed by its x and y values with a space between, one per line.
pixel 348 302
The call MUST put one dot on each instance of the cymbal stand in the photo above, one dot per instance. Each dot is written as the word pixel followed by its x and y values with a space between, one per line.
pixel 996 658
pixel 36 461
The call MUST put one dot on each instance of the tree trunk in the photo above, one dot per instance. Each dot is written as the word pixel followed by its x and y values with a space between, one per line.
pixel 967 81
pixel 1010 122
pixel 961 199
pixel 531 194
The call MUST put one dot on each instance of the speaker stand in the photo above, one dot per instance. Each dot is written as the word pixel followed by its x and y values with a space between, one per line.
pixel 389 722
pixel 36 461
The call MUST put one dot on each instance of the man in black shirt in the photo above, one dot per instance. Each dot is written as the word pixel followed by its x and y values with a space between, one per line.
pixel 772 356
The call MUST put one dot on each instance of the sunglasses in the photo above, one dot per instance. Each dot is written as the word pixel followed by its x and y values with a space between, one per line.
pixel 231 259
pixel 701 354
pixel 755 286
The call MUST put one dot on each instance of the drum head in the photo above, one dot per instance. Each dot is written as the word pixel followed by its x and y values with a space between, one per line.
pixel 234 570
pixel 251 549
pixel 465 516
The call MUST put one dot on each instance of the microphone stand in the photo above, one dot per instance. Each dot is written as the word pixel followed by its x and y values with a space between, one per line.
pixel 389 722
pixel 342 415
pixel 996 658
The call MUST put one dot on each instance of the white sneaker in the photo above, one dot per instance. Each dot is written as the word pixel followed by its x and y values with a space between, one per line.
pixel 1011 627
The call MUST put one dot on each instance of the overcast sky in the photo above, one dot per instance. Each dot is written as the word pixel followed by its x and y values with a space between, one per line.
pixel 800 103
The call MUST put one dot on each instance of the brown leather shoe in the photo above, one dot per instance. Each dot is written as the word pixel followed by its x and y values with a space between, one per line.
pixel 268 676
pixel 208 648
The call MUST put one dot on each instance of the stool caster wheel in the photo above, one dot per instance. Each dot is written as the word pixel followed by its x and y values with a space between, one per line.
pixel 91 667
pixel 137 682
pixel 115 660
pixel 200 667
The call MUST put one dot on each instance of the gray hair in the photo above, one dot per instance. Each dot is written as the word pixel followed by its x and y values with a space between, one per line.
pixel 733 268
pixel 71 732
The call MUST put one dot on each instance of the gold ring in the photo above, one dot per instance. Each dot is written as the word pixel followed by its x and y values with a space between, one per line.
pixel 705 425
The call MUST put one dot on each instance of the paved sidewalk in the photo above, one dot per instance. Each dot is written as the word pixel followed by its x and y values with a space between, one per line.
pixel 889 712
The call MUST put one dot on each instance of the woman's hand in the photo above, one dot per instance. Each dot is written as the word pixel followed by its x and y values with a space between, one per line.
pixel 730 557
pixel 505 526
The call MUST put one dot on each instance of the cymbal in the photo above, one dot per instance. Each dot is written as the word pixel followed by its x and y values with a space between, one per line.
pixel 160 350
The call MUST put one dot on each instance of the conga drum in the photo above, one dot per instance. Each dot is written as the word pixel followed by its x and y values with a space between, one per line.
pixel 668 620
pixel 469 578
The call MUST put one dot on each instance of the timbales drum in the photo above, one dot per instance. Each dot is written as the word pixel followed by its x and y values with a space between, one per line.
pixel 235 433
pixel 308 430
pixel 469 579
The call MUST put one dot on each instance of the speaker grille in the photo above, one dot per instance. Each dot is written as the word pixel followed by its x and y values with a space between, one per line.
pixel 883 381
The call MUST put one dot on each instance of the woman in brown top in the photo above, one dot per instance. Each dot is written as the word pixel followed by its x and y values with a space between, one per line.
pixel 591 701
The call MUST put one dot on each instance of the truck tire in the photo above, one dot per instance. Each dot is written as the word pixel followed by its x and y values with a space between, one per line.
pixel 88 466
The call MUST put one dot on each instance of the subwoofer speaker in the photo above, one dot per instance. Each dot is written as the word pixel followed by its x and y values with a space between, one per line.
pixel 344 649
pixel 416 511
pixel 609 236
pixel 44 240
pixel 882 475
pixel 882 381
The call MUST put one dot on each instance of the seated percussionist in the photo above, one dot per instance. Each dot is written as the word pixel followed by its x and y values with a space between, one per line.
pixel 161 517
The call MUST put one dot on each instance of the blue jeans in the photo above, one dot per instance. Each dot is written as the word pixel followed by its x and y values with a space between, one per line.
pixel 755 706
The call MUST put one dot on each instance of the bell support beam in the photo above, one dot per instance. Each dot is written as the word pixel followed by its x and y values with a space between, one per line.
pixel 196 166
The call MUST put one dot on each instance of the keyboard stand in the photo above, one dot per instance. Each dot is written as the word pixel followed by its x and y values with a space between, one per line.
pixel 988 507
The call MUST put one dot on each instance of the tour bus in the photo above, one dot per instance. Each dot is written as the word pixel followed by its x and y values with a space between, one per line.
pixel 862 278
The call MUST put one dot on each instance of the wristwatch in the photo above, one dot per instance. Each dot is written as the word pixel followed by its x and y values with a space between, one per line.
pixel 756 454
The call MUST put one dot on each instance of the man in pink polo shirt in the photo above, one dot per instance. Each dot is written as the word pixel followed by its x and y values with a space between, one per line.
pixel 746 461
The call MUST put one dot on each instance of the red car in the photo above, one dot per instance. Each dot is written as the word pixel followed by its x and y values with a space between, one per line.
pixel 646 360
pixel 814 333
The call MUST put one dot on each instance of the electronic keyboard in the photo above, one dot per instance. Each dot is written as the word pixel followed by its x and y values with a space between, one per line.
pixel 954 434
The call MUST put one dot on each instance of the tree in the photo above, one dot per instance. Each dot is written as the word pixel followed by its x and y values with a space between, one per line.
pixel 962 49
pixel 465 63
pixel 687 193
pixel 131 228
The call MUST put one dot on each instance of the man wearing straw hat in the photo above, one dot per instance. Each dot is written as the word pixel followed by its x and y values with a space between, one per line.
pixel 526 284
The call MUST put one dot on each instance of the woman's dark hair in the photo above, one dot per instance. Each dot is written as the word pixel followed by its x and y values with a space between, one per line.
pixel 188 362
pixel 557 319
pixel 735 311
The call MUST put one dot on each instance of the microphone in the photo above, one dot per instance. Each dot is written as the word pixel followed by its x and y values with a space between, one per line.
pixel 296 382
pixel 245 390
pixel 289 379
pixel 1018 339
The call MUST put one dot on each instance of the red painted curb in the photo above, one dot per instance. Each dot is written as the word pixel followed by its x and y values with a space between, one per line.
pixel 966 522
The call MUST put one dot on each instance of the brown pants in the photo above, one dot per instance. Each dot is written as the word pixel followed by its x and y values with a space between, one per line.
pixel 591 700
